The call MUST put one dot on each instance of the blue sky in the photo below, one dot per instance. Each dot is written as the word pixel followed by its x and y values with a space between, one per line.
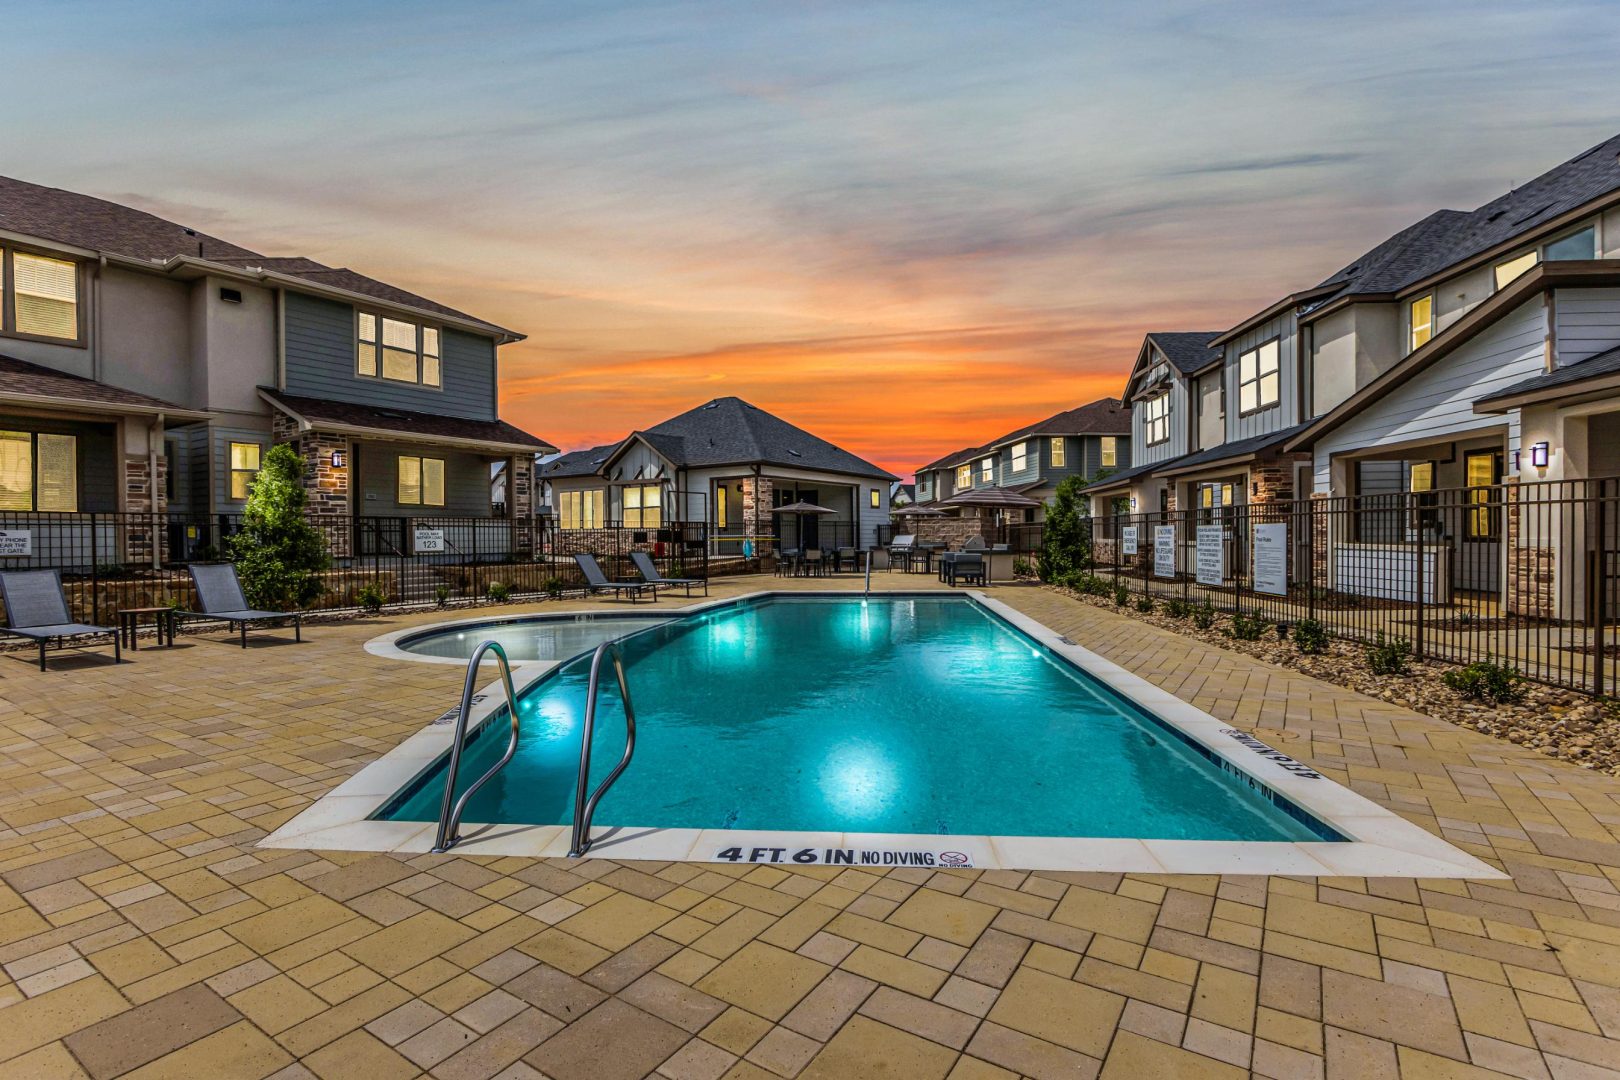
pixel 904 225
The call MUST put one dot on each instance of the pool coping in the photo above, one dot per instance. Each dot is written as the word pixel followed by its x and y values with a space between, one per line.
pixel 1381 843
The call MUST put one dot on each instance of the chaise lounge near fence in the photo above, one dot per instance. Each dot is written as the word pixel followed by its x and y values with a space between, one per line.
pixel 1523 573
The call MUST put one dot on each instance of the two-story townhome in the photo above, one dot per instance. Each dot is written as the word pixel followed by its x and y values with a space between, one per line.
pixel 730 464
pixel 1087 441
pixel 146 367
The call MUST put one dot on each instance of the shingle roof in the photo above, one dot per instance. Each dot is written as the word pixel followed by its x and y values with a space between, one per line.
pixel 955 457
pixel 320 412
pixel 730 431
pixel 23 379
pixel 1447 237
pixel 1132 473
pixel 577 462
pixel 1188 350
pixel 84 221
pixel 1234 449
pixel 1105 416
pixel 1604 363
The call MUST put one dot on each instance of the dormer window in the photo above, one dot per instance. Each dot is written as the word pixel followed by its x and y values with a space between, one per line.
pixel 1259 379
pixel 1156 419
pixel 396 350
pixel 1420 322
pixel 41 296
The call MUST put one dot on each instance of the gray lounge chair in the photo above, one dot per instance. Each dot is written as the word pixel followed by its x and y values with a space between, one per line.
pixel 37 610
pixel 649 572
pixel 219 594
pixel 596 581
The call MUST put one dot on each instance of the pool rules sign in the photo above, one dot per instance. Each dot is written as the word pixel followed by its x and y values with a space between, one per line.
pixel 1271 558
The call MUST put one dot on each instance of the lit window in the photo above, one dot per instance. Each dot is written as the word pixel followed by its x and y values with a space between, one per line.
pixel 1259 383
pixel 1110 451
pixel 1420 315
pixel 421 481
pixel 39 472
pixel 1156 419
pixel 1506 272
pixel 1482 472
pixel 964 476
pixel 1020 457
pixel 44 296
pixel 397 350
pixel 643 506
pixel 1575 246
pixel 244 467
pixel 1059 451
pixel 877 500
pixel 581 509
pixel 987 470
pixel 720 507
pixel 1422 476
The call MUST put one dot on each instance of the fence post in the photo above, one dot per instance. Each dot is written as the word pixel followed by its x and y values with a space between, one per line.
pixel 1600 645
pixel 1408 510
pixel 95 570
pixel 1310 560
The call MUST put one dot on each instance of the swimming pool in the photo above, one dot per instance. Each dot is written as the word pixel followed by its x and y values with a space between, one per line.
pixel 920 730
pixel 525 639
pixel 922 715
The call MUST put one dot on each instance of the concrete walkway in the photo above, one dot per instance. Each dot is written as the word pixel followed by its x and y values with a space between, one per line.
pixel 143 934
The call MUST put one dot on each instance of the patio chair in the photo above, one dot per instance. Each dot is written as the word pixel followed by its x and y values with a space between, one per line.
pixel 787 560
pixel 219 594
pixel 596 581
pixel 36 609
pixel 649 572
pixel 812 564
pixel 966 566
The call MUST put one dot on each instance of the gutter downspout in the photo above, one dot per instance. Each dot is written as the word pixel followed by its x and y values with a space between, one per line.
pixel 154 435
pixel 95 330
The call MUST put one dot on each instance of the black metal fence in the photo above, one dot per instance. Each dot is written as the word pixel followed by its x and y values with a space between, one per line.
pixel 1522 574
pixel 111 562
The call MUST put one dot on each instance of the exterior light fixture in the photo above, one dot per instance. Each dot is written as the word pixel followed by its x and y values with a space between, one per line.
pixel 1515 461
pixel 1539 454
pixel 338 459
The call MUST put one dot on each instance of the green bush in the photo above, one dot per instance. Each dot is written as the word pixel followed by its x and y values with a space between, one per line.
pixel 1145 605
pixel 1282 631
pixel 1388 656
pixel 498 592
pixel 1246 627
pixel 1022 568
pixel 1203 616
pixel 441 595
pixel 1486 680
pixel 1177 608
pixel 553 587
pixel 370 597
pixel 1310 637
pixel 1066 535
pixel 279 555
pixel 1122 595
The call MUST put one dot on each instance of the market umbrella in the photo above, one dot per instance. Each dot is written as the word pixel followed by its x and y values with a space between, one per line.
pixel 997 499
pixel 798 510
pixel 919 511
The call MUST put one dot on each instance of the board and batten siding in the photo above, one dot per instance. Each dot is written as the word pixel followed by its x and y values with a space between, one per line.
pixel 320 347
pixel 1285 413
pixel 1438 403
pixel 1586 321
pixel 1176 445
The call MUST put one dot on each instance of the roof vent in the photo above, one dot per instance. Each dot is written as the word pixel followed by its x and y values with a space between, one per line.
pixel 1534 213
pixel 1496 215
pixel 795 453
pixel 712 405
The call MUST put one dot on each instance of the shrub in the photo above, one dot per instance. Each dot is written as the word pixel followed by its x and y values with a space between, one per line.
pixel 1022 568
pixel 1388 656
pixel 1145 605
pixel 1247 627
pixel 1066 536
pixel 441 595
pixel 1310 637
pixel 1486 680
pixel 1177 608
pixel 1282 631
pixel 553 587
pixel 279 555
pixel 1122 595
pixel 1203 616
pixel 370 597
pixel 498 592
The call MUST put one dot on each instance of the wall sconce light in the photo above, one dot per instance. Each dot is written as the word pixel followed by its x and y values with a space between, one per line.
pixel 1539 454
pixel 1515 461
pixel 339 459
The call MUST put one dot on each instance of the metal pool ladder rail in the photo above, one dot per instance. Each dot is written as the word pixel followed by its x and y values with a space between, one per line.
pixel 450 813
pixel 585 809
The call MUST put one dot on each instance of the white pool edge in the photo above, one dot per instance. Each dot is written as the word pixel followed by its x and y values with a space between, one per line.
pixel 1381 843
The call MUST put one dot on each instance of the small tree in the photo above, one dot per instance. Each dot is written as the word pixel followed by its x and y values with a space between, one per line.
pixel 1066 536
pixel 279 555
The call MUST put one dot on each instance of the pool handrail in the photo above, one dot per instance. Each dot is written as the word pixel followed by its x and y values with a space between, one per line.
pixel 585 809
pixel 450 813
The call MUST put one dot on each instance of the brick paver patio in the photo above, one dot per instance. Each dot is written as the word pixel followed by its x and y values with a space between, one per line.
pixel 143 934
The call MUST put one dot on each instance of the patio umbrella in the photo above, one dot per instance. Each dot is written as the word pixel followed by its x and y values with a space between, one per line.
pixel 798 510
pixel 997 499
pixel 920 511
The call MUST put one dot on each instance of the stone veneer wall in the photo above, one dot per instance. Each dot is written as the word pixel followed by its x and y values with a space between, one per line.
pixel 520 502
pixel 1532 569
pixel 326 485
pixel 144 494
pixel 757 493
pixel 952 530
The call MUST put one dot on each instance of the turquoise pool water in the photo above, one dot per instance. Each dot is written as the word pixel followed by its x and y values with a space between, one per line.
pixel 907 715
pixel 549 638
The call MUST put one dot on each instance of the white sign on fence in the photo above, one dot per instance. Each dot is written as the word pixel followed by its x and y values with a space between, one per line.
pixel 1164 551
pixel 428 540
pixel 1211 554
pixel 1127 538
pixel 16 542
pixel 1271 558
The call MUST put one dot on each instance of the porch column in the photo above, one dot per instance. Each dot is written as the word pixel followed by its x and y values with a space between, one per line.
pixel 326 482
pixel 756 499
pixel 145 498
pixel 520 501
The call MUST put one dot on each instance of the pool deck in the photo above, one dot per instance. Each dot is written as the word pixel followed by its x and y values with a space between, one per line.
pixel 144 933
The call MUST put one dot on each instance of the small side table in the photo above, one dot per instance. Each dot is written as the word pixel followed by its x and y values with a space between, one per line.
pixel 129 624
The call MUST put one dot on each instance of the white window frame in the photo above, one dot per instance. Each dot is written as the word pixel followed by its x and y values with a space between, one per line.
pixel 1108 452
pixel 640 509
pixel 33 438
pixel 232 472
pixel 1020 456
pixel 421 480
pixel 1418 332
pixel 987 471
pixel 1156 420
pixel 1060 452
pixel 429 350
pixel 964 477
pixel 582 509
pixel 1258 374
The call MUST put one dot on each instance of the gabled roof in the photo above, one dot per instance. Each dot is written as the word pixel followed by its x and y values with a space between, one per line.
pixel 1188 350
pixel 26 382
pixel 1105 416
pixel 341 416
pixel 1570 376
pixel 1123 476
pixel 1233 451
pixel 578 462
pixel 954 458
pixel 105 227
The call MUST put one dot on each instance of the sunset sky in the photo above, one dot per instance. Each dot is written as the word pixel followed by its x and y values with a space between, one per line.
pixel 907 227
